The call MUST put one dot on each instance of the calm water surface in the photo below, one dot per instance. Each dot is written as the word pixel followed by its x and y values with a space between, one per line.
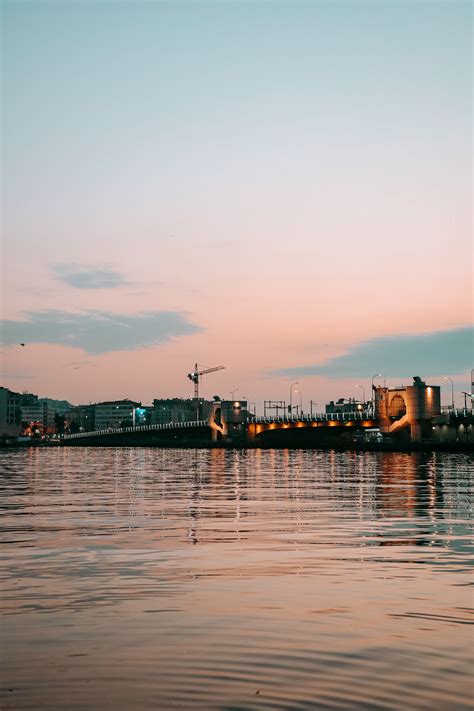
pixel 150 578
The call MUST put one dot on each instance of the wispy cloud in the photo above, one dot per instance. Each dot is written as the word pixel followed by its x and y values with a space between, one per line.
pixel 98 331
pixel 435 353
pixel 17 376
pixel 82 276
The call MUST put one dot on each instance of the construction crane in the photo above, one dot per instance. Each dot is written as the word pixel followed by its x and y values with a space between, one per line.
pixel 196 374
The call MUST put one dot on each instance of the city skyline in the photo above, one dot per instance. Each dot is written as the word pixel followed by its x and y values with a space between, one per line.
pixel 283 189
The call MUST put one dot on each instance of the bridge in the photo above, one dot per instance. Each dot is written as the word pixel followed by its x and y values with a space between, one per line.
pixel 166 434
pixel 306 430
pixel 239 430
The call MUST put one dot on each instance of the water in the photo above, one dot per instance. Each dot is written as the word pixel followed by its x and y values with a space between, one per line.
pixel 150 578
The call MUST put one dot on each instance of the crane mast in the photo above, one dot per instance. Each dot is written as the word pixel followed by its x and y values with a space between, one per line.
pixel 197 374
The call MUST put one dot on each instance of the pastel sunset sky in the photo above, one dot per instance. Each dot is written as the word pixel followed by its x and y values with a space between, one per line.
pixel 283 188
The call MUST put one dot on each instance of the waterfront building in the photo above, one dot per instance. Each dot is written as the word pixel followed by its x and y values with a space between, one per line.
pixel 115 414
pixel 142 415
pixel 80 418
pixel 40 414
pixel 179 409
pixel 27 399
pixel 10 412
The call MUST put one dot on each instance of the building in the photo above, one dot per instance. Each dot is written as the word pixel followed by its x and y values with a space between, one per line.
pixel 142 416
pixel 115 414
pixel 344 405
pixel 40 414
pixel 27 399
pixel 179 409
pixel 408 410
pixel 80 418
pixel 10 413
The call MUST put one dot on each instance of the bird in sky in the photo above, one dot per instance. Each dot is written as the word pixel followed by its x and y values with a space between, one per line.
pixel 23 344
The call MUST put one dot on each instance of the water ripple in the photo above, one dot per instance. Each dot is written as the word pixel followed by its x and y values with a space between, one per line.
pixel 149 578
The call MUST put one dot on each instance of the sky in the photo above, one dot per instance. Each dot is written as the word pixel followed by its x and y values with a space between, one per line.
pixel 282 188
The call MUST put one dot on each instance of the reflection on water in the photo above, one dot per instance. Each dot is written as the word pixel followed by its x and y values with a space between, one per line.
pixel 221 579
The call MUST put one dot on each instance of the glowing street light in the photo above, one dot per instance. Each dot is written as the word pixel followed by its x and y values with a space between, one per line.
pixel 301 401
pixel 363 391
pixel 446 377
pixel 245 398
pixel 377 375
pixel 290 406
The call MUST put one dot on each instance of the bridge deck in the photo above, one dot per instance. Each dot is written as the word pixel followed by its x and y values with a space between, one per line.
pixel 289 419
pixel 319 417
pixel 140 428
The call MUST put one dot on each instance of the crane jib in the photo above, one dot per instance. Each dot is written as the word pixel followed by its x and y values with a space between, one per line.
pixel 196 374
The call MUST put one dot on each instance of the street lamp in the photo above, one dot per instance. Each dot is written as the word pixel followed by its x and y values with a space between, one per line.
pixel 290 406
pixel 232 393
pixel 363 391
pixel 301 401
pixel 446 377
pixel 377 375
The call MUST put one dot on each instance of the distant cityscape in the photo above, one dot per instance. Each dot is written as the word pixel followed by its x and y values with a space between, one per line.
pixel 27 415
pixel 30 415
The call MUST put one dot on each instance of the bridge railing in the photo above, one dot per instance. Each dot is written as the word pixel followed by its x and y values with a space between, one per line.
pixel 448 410
pixel 457 411
pixel 139 428
pixel 317 417
pixel 462 412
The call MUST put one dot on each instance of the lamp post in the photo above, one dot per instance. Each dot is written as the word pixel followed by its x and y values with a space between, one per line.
pixel 290 406
pixel 377 375
pixel 301 401
pixel 232 393
pixel 363 391
pixel 446 377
